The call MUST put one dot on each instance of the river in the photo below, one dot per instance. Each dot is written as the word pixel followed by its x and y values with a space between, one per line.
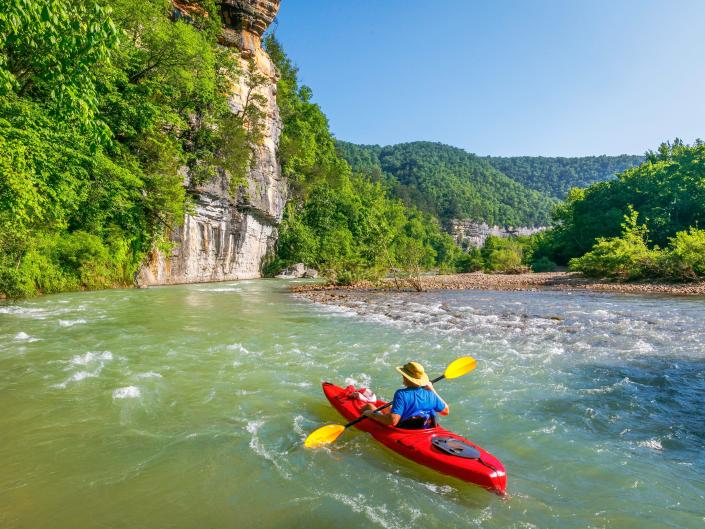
pixel 186 407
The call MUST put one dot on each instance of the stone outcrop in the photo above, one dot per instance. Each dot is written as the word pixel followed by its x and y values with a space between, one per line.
pixel 469 233
pixel 298 271
pixel 226 237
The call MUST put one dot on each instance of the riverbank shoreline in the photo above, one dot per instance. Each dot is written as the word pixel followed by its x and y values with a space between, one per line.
pixel 545 281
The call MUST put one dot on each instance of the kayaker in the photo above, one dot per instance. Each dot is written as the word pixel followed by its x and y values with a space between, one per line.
pixel 414 406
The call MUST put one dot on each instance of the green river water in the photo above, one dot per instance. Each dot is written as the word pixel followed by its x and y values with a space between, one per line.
pixel 186 407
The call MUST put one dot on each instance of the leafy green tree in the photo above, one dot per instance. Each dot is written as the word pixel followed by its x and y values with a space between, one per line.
pixel 625 257
pixel 687 254
pixel 51 50
pixel 100 110
pixel 668 190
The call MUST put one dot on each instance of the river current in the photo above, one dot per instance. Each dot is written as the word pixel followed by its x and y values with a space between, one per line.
pixel 187 406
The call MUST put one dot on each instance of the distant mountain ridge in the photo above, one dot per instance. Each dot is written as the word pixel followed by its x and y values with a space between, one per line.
pixel 449 183
pixel 555 176
pixel 452 183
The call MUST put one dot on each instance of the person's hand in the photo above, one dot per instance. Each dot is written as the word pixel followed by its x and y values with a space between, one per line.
pixel 429 386
pixel 368 413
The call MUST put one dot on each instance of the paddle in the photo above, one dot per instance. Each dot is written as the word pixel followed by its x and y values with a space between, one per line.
pixel 330 432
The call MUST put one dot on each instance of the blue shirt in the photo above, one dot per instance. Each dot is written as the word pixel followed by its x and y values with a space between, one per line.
pixel 416 402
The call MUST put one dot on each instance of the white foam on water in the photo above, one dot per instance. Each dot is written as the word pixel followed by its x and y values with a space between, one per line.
pixel 149 374
pixel 128 392
pixel 653 444
pixel 365 381
pixel 376 514
pixel 258 448
pixel 607 389
pixel 81 375
pixel 298 425
pixel 245 392
pixel 298 384
pixel 15 310
pixel 439 489
pixel 90 357
pixel 71 323
pixel 242 349
pixel 641 346
pixel 78 376
pixel 24 337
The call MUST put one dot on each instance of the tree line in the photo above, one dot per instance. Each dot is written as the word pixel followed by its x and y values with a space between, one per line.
pixel 101 109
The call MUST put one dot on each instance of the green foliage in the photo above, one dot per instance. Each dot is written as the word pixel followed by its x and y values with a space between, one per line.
pixel 668 190
pixel 503 254
pixel 556 176
pixel 100 109
pixel 52 50
pixel 471 261
pixel 687 255
pixel 449 183
pixel 625 257
pixel 543 264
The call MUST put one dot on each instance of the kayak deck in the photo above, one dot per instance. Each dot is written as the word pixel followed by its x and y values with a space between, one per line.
pixel 486 471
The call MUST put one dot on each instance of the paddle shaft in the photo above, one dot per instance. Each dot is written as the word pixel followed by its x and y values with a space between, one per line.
pixel 363 417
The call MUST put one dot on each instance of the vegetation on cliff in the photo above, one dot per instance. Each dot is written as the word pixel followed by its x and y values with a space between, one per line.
pixel 449 183
pixel 100 108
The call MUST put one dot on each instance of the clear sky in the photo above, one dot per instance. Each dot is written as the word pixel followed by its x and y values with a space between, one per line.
pixel 504 77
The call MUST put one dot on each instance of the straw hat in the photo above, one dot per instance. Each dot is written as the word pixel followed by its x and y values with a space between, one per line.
pixel 414 372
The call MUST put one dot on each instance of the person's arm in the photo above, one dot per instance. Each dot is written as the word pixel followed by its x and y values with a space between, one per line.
pixel 396 411
pixel 390 419
pixel 444 405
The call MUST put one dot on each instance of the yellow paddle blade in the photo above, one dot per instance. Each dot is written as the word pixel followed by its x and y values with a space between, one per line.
pixel 324 435
pixel 461 366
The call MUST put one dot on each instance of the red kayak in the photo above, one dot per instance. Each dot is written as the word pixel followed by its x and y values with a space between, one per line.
pixel 436 448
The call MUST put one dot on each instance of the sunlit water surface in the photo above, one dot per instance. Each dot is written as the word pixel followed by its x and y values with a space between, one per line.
pixel 186 407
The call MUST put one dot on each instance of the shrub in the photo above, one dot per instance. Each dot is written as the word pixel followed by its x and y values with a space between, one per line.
pixel 544 264
pixel 470 262
pixel 687 254
pixel 626 257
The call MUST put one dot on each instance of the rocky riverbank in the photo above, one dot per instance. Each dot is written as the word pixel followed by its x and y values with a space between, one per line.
pixel 565 281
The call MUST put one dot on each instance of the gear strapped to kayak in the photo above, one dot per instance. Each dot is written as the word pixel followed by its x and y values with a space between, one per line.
pixel 455 447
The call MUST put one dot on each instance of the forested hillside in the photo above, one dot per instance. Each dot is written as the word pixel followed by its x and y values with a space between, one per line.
pixel 556 176
pixel 646 223
pixel 449 183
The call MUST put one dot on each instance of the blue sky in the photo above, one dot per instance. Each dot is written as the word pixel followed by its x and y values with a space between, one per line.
pixel 504 77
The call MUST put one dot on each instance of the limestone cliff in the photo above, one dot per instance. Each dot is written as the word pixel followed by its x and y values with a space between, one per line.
pixel 227 238
pixel 471 233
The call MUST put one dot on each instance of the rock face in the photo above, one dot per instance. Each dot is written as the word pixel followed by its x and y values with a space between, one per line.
pixel 227 237
pixel 468 233
pixel 298 271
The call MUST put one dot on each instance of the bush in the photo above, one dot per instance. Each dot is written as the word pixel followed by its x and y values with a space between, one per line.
pixel 626 257
pixel 687 254
pixel 470 262
pixel 544 264
pixel 503 255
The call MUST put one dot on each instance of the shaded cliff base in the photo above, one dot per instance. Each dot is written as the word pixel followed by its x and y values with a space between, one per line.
pixel 561 281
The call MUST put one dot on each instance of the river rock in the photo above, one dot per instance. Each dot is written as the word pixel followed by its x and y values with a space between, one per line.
pixel 311 273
